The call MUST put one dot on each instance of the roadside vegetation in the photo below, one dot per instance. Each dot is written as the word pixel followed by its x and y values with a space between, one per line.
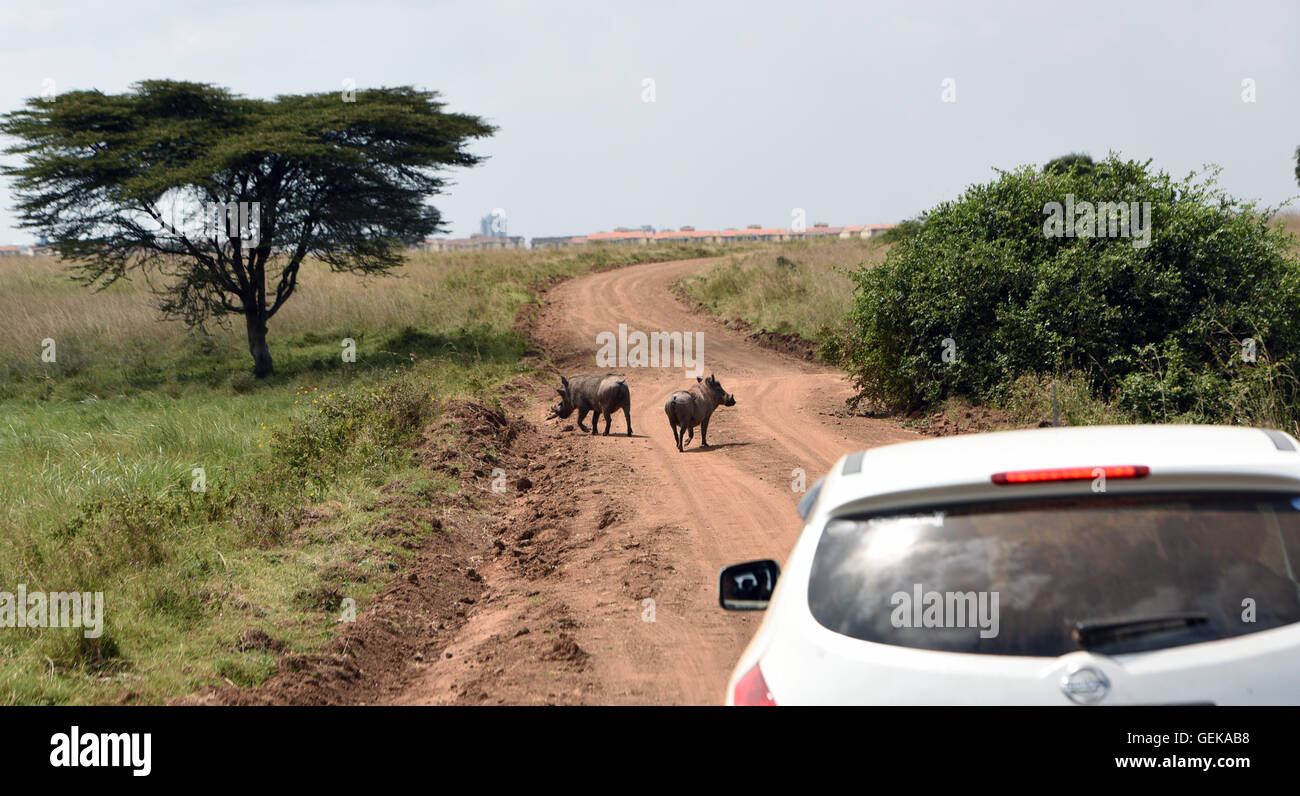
pixel 1198 326
pixel 99 451
pixel 802 288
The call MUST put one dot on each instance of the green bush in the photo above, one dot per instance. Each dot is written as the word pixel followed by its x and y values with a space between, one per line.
pixel 1155 329
pixel 905 229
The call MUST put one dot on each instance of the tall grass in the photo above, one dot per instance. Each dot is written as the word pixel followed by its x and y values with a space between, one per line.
pixel 98 453
pixel 798 288
pixel 113 341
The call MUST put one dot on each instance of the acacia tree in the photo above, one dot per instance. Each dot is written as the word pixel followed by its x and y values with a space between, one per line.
pixel 218 199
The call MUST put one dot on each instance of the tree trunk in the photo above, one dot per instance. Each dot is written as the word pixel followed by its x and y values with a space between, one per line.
pixel 262 366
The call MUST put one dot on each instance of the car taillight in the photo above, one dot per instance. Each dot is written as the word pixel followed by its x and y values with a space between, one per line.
pixel 751 690
pixel 1070 474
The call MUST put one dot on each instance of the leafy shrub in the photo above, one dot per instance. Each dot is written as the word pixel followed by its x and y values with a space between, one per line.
pixel 905 229
pixel 1158 329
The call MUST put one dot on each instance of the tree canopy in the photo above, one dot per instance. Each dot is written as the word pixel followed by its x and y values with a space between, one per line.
pixel 225 196
pixel 1081 161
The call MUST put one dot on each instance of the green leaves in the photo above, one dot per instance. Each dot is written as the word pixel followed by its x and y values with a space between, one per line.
pixel 1158 320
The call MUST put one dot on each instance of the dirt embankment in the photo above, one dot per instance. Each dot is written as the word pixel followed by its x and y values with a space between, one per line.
pixel 426 605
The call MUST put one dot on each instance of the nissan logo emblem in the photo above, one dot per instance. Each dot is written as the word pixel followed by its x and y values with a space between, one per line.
pixel 1085 685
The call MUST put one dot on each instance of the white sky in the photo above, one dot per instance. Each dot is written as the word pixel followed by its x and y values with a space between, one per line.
pixel 760 107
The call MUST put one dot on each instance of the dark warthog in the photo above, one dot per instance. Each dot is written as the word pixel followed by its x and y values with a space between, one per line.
pixel 600 395
pixel 687 409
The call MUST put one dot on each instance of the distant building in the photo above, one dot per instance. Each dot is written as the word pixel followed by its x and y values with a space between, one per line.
pixel 559 242
pixel 753 232
pixel 39 249
pixel 493 225
pixel 621 235
pixel 473 242
pixel 647 235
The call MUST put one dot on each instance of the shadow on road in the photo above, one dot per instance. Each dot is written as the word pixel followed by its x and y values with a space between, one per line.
pixel 621 434
pixel 715 447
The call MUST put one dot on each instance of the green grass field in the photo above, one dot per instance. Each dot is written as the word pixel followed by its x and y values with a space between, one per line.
pixel 99 451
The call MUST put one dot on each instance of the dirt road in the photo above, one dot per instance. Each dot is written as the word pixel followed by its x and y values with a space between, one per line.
pixel 602 588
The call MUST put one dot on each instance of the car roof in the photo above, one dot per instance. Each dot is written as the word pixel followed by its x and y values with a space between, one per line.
pixel 962 466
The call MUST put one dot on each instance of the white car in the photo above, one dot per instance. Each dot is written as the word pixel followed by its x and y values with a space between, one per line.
pixel 1087 565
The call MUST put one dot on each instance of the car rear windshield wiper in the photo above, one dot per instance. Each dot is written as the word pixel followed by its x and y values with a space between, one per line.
pixel 1090 632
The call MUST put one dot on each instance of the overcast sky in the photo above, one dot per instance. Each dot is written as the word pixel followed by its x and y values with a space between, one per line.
pixel 758 108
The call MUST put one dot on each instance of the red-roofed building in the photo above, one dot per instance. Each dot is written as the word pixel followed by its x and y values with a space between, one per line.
pixel 637 236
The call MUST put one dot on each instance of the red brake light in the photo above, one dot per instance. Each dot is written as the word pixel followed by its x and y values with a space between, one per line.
pixel 751 690
pixel 1070 474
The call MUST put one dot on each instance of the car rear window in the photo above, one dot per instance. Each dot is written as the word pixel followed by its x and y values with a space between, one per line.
pixel 1108 573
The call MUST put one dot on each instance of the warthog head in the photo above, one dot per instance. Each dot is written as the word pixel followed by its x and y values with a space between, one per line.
pixel 714 389
pixel 565 407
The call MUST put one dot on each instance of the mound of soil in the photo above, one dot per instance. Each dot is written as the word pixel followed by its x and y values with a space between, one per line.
pixel 965 419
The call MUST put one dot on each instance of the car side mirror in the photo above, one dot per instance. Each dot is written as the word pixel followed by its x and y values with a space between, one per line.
pixel 747 586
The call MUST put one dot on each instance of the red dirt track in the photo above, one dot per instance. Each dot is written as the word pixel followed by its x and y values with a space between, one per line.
pixel 607 523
